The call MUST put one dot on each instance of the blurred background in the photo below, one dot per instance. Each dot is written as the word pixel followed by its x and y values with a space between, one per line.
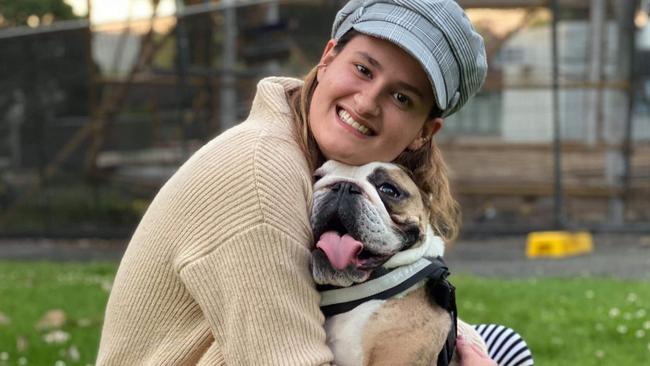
pixel 102 100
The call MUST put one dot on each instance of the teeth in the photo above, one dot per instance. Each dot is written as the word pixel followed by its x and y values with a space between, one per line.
pixel 347 118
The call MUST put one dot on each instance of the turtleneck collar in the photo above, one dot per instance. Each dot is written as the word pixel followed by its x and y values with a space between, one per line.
pixel 271 95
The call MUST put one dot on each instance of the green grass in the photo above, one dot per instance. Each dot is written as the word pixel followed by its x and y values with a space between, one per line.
pixel 31 289
pixel 583 321
pixel 579 321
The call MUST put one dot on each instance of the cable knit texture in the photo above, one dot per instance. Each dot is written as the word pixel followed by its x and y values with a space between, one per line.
pixel 217 272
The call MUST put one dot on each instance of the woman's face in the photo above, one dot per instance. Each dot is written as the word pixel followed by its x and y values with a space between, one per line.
pixel 372 102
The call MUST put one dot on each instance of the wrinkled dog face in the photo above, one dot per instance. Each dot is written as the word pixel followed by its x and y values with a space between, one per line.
pixel 361 216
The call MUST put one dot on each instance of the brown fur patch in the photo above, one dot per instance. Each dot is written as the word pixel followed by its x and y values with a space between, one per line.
pixel 406 331
pixel 411 211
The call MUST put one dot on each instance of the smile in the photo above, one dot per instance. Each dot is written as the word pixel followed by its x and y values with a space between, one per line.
pixel 347 119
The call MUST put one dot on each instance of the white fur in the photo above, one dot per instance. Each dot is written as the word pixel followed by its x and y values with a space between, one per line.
pixel 432 246
pixel 333 172
pixel 345 331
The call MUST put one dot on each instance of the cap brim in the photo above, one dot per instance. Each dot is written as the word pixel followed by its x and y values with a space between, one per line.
pixel 410 43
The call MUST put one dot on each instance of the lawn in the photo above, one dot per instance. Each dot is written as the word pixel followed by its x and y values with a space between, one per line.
pixel 28 291
pixel 572 321
pixel 585 321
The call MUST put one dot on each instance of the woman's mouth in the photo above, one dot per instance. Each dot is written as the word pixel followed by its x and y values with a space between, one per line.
pixel 346 118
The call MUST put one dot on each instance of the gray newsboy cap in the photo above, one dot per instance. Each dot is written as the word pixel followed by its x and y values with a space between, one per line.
pixel 436 32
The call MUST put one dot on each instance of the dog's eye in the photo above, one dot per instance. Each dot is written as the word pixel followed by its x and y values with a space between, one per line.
pixel 317 177
pixel 389 190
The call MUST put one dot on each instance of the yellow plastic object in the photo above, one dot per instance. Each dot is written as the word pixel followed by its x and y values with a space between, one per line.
pixel 558 244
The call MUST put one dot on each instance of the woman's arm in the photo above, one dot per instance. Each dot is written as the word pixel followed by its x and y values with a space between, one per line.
pixel 256 292
pixel 249 272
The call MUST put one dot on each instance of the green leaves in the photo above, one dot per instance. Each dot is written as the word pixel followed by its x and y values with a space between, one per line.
pixel 16 13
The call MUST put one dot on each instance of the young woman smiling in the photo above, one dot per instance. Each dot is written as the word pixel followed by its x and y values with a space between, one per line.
pixel 373 101
pixel 217 272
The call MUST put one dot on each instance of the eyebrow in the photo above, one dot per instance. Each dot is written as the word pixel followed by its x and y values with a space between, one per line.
pixel 400 84
pixel 411 88
pixel 370 60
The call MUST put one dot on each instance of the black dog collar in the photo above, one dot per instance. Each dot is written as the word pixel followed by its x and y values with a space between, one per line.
pixel 340 300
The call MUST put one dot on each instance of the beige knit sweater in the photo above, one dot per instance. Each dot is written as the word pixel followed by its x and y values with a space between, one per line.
pixel 217 271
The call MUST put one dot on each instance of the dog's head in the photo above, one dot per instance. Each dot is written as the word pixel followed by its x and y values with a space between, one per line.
pixel 366 217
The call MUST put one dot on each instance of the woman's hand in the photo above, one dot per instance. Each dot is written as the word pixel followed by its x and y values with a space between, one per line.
pixel 471 355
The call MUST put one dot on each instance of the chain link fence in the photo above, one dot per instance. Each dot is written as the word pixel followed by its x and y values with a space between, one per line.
pixel 94 118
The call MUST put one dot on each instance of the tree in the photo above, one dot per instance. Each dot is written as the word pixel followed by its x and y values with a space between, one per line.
pixel 15 13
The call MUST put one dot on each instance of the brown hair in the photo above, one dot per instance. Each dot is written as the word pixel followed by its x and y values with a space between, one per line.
pixel 426 164
pixel 299 101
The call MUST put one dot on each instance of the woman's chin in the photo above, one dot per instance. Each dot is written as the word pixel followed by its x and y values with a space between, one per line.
pixel 349 156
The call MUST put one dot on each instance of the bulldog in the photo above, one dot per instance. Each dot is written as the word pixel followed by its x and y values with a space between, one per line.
pixel 377 263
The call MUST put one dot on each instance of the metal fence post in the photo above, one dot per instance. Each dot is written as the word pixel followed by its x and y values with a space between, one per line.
pixel 228 93
pixel 557 138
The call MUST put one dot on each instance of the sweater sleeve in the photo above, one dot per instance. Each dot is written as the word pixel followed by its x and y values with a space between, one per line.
pixel 260 303
pixel 249 272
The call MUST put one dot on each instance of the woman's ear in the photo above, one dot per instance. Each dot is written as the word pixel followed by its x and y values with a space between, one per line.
pixel 326 58
pixel 430 128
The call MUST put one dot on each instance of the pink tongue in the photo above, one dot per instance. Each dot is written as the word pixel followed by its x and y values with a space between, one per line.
pixel 341 251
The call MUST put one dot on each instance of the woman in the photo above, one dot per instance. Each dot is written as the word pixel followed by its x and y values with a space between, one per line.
pixel 217 271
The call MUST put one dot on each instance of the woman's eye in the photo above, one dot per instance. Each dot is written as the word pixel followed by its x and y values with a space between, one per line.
pixel 363 70
pixel 402 99
pixel 389 190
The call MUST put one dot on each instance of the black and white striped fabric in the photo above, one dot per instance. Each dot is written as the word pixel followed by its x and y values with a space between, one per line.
pixel 505 346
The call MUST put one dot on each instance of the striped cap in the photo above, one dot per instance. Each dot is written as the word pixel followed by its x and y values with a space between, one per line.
pixel 436 32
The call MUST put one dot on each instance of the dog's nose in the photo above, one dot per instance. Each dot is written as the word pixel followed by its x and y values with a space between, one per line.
pixel 346 187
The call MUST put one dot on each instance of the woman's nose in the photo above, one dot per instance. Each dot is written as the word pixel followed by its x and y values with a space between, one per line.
pixel 367 102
